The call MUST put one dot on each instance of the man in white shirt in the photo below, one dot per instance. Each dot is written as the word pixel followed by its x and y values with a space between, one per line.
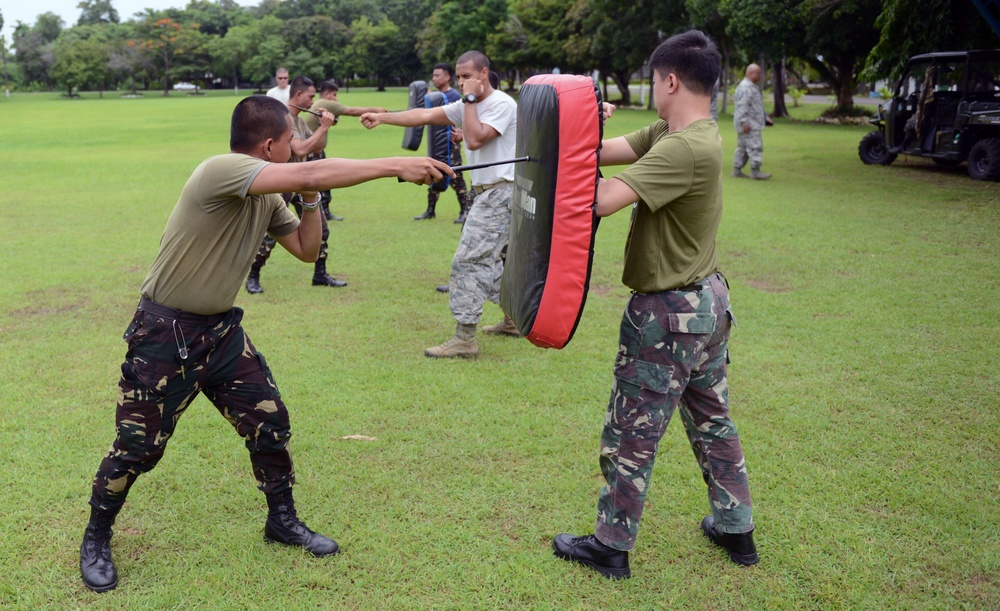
pixel 280 91
pixel 488 118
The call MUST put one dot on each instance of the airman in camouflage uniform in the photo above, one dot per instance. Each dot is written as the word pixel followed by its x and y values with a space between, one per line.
pixel 488 119
pixel 749 119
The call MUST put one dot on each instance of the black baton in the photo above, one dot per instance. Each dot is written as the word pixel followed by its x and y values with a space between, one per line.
pixel 477 166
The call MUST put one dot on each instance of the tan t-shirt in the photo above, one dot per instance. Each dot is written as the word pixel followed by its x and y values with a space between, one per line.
pixel 332 106
pixel 300 131
pixel 678 179
pixel 213 234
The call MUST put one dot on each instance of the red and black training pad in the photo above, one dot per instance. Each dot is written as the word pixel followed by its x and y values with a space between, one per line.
pixel 551 250
pixel 413 135
pixel 438 139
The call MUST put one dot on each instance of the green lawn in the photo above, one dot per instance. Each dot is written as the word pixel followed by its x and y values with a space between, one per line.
pixel 864 381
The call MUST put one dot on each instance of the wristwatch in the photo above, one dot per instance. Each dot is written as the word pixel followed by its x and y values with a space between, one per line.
pixel 470 98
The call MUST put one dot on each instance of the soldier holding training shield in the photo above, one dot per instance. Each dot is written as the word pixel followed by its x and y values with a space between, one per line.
pixel 673 342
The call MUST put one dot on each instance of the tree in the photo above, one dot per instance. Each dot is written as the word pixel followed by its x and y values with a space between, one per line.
pixel 769 27
pixel 911 27
pixel 458 26
pixel 705 16
pixel 82 56
pixel 317 45
pixel 266 47
pixel 33 48
pixel 839 35
pixel 96 11
pixel 215 18
pixel 375 49
pixel 168 40
pixel 533 35
pixel 3 57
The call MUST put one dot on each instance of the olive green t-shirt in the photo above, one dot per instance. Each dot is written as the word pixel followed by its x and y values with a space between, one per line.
pixel 312 121
pixel 213 234
pixel 678 178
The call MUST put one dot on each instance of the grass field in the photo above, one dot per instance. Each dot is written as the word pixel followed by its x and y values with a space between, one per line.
pixel 864 381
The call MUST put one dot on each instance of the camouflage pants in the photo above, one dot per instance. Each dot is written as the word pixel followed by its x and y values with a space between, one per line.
pixel 461 191
pixel 157 385
pixel 749 147
pixel 267 245
pixel 672 351
pixel 477 267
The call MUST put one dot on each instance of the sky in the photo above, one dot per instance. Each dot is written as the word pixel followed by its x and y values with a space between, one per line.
pixel 27 11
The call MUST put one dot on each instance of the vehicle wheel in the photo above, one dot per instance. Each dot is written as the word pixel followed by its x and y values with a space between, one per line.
pixel 947 163
pixel 984 159
pixel 873 150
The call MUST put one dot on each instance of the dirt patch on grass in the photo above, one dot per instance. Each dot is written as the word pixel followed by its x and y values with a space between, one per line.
pixel 768 286
pixel 48 310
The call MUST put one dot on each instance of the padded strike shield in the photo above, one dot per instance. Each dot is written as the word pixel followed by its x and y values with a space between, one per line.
pixel 438 139
pixel 553 222
pixel 413 135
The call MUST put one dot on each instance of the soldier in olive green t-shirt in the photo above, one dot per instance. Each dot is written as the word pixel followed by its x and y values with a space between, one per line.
pixel 186 337
pixel 328 92
pixel 673 343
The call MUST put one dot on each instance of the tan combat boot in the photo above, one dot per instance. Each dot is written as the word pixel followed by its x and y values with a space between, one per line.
pixel 463 344
pixel 506 327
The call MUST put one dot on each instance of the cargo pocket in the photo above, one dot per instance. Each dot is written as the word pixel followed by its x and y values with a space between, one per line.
pixel 641 395
pixel 698 323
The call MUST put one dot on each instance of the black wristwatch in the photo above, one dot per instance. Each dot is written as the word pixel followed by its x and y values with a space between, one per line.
pixel 470 98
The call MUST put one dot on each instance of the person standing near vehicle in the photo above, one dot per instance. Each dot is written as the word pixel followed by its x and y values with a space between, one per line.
pixel 749 120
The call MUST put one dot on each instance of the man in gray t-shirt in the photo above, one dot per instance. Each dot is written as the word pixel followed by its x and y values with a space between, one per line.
pixel 488 118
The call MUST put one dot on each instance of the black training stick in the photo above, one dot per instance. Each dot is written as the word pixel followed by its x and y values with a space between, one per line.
pixel 477 166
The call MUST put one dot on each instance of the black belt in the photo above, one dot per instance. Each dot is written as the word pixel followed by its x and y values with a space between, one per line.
pixel 152 307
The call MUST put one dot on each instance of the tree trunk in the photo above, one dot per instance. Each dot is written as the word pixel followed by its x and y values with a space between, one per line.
pixel 845 89
pixel 604 81
pixel 725 81
pixel 780 110
pixel 621 81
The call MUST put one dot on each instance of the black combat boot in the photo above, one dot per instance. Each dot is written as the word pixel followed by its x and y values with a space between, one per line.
pixel 588 551
pixel 428 214
pixel 739 545
pixel 462 214
pixel 96 567
pixel 253 281
pixel 283 526
pixel 321 278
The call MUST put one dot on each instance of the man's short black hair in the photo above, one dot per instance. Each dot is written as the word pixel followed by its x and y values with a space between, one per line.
pixel 299 83
pixel 445 67
pixel 478 59
pixel 693 57
pixel 328 85
pixel 255 119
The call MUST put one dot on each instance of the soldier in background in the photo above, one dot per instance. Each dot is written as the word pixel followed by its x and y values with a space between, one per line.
pixel 749 119
pixel 328 91
pixel 441 79
pixel 306 144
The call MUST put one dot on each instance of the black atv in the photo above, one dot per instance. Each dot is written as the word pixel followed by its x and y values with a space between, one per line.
pixel 945 107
